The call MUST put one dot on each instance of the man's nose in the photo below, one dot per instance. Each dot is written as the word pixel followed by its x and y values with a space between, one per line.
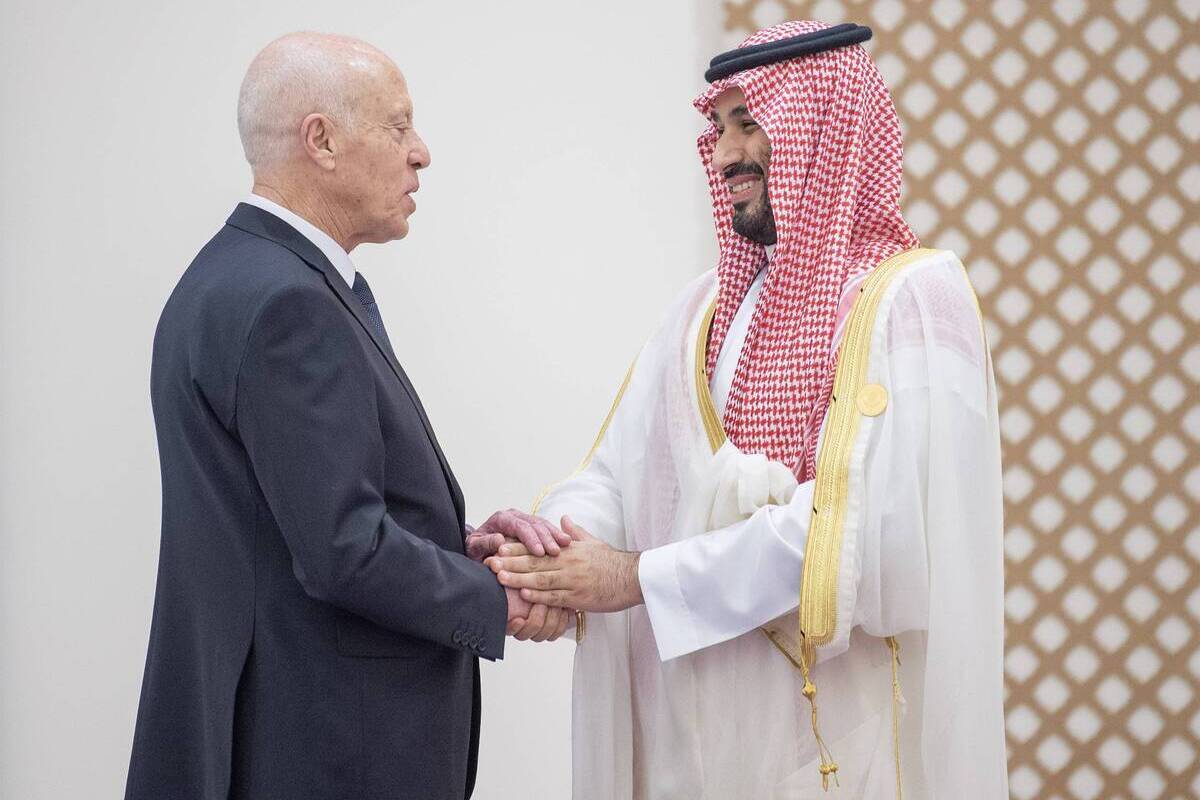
pixel 726 153
pixel 419 157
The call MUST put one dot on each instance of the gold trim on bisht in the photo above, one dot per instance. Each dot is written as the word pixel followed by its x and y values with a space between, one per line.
pixel 580 617
pixel 822 557
pixel 819 585
pixel 823 551
pixel 853 398
pixel 708 409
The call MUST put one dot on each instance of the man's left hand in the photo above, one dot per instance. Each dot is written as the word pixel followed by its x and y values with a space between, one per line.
pixel 537 535
pixel 479 545
pixel 588 576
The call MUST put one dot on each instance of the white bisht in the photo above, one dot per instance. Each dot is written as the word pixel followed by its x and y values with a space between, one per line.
pixel 897 541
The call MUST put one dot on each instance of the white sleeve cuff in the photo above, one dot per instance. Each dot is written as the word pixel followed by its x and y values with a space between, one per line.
pixel 711 588
pixel 670 618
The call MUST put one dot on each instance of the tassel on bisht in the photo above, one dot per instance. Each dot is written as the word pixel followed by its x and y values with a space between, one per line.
pixel 828 766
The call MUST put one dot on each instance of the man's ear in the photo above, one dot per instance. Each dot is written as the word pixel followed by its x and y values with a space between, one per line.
pixel 316 132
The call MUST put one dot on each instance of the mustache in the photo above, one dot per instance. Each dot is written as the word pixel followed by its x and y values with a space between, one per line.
pixel 744 168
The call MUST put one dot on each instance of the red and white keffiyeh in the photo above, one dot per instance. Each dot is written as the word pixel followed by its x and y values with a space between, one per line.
pixel 834 187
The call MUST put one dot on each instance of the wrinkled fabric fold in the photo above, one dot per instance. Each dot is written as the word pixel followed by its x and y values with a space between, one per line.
pixel 921 562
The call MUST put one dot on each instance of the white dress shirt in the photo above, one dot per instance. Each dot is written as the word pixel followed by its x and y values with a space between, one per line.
pixel 735 338
pixel 727 359
pixel 324 242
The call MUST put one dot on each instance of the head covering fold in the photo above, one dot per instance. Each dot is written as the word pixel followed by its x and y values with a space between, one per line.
pixel 834 187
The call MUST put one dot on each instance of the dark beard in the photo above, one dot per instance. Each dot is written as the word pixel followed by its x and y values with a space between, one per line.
pixel 756 221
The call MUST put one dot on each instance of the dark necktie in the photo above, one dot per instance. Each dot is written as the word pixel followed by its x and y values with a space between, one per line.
pixel 363 292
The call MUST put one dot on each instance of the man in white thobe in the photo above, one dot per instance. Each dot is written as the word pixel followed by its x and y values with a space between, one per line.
pixel 788 536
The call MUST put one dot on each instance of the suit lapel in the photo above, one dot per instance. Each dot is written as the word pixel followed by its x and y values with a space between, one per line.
pixel 352 303
pixel 255 221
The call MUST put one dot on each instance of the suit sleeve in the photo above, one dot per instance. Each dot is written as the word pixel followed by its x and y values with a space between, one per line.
pixel 307 415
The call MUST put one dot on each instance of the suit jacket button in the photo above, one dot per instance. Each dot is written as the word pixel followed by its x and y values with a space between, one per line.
pixel 457 637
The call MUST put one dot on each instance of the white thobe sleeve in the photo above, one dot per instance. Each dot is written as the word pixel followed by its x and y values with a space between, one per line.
pixel 711 588
pixel 696 590
pixel 592 496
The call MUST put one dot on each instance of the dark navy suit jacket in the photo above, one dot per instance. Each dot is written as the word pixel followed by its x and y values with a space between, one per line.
pixel 316 624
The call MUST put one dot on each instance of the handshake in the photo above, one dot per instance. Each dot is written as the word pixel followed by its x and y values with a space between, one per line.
pixel 549 573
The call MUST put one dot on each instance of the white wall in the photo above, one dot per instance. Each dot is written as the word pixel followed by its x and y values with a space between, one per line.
pixel 564 207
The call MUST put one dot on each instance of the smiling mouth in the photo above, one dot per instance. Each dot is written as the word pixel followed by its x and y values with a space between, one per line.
pixel 743 180
pixel 743 188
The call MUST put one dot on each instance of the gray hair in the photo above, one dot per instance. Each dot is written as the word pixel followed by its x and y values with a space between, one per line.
pixel 294 76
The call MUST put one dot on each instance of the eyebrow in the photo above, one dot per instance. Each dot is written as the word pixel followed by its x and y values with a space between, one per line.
pixel 402 114
pixel 737 113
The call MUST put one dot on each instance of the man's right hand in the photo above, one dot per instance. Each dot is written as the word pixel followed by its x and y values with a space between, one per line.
pixel 538 623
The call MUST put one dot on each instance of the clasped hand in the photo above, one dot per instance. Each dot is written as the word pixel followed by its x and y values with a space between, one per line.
pixel 589 575
pixel 526 620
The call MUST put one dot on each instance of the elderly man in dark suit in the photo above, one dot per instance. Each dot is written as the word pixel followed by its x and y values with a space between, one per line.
pixel 321 605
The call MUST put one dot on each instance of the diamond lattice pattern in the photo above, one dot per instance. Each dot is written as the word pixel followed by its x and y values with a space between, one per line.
pixel 1054 146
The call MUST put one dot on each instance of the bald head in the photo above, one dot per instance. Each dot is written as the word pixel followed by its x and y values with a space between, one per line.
pixel 327 126
pixel 301 74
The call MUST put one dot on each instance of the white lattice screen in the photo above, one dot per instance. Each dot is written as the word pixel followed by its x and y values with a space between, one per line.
pixel 1055 147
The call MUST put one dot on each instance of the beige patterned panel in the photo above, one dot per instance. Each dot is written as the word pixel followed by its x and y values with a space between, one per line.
pixel 1054 146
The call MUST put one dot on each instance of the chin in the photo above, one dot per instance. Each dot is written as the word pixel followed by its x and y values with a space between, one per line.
pixel 744 216
pixel 395 228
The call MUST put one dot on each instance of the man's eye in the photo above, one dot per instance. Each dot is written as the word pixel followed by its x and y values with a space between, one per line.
pixel 749 125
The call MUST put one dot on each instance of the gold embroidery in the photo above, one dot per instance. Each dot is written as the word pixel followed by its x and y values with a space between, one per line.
pixel 822 554
pixel 818 591
pixel 823 551
pixel 782 639
pixel 708 410
pixel 822 557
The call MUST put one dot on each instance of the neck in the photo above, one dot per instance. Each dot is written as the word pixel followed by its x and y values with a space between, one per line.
pixel 316 209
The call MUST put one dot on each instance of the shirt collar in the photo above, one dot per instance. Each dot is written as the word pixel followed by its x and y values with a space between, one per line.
pixel 324 242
